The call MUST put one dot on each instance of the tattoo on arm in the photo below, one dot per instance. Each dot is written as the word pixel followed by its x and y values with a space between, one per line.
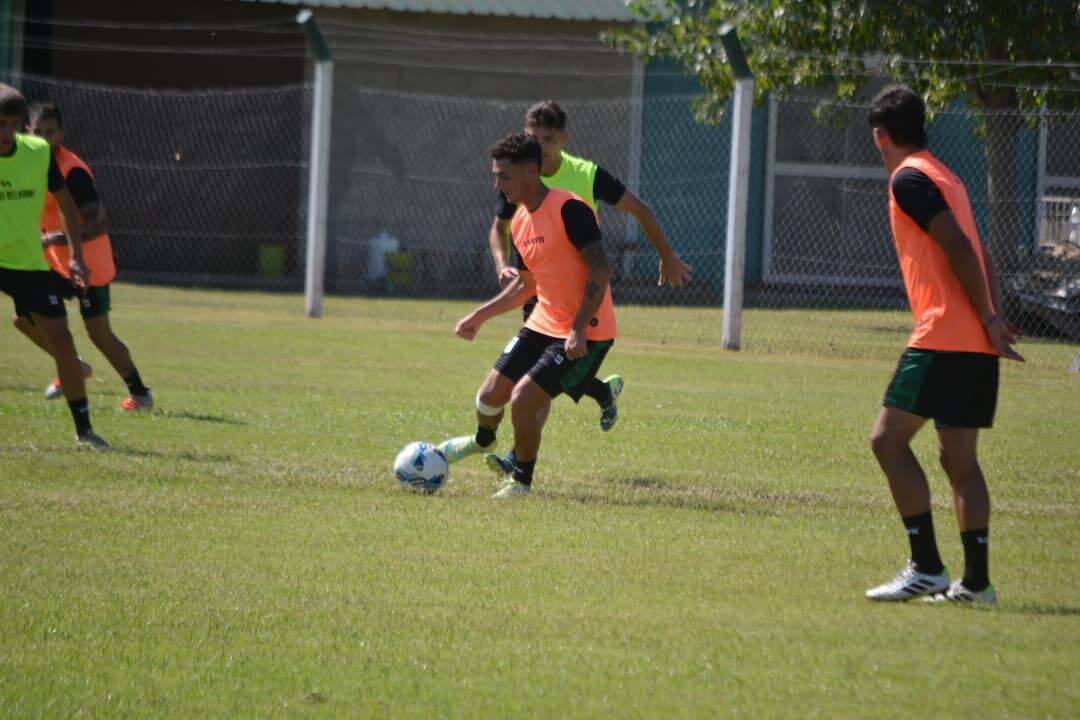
pixel 594 256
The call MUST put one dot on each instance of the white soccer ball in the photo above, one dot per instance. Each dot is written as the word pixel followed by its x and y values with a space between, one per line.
pixel 421 466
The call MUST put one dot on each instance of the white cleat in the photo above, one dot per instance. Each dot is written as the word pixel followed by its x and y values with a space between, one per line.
pixel 957 593
pixel 910 583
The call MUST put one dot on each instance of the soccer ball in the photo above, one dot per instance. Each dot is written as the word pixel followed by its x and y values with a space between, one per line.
pixel 421 466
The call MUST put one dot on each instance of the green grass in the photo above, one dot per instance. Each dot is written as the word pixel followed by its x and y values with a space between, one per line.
pixel 246 552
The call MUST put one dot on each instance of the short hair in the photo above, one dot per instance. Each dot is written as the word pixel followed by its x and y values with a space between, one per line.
pixel 546 114
pixel 518 148
pixel 45 111
pixel 11 101
pixel 901 113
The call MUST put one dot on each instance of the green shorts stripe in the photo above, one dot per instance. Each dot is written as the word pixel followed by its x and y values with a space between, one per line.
pixel 908 381
pixel 585 367
pixel 956 389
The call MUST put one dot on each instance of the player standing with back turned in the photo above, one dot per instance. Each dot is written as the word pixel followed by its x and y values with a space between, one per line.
pixel 949 371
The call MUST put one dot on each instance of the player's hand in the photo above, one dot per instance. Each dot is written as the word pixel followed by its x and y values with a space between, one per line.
pixel 674 271
pixel 1003 334
pixel 575 346
pixel 507 275
pixel 78 274
pixel 468 326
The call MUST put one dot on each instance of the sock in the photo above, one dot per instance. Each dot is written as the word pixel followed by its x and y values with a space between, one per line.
pixel 80 413
pixel 484 436
pixel 524 471
pixel 924 551
pixel 976 552
pixel 135 384
pixel 600 392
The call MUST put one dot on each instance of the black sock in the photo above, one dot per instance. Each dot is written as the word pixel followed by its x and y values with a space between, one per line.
pixel 600 392
pixel 80 413
pixel 924 550
pixel 976 560
pixel 135 384
pixel 484 436
pixel 524 471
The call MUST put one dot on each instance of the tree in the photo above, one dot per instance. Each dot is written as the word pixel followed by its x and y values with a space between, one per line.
pixel 1006 58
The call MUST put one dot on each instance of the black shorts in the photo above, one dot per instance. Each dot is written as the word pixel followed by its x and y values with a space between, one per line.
pixel 542 358
pixel 93 303
pixel 956 389
pixel 34 291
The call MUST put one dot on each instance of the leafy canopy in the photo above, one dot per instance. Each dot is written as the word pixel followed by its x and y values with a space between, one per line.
pixel 1000 54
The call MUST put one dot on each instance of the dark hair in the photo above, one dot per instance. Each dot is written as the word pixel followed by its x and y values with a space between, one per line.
pixel 518 148
pixel 901 113
pixel 45 111
pixel 546 114
pixel 11 101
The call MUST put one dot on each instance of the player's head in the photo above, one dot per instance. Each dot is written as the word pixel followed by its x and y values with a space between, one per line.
pixel 515 163
pixel 46 123
pixel 547 121
pixel 12 109
pixel 901 114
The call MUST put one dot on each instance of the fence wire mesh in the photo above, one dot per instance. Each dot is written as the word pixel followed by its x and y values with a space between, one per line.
pixel 208 188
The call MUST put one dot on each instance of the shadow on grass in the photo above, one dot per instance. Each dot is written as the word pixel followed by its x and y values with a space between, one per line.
pixel 1042 609
pixel 188 455
pixel 184 415
pixel 646 491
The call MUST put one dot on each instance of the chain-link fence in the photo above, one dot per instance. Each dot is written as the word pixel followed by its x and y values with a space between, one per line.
pixel 200 187
pixel 209 189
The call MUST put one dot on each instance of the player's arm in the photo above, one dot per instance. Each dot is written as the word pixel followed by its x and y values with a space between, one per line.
pixel 69 217
pixel 584 233
pixel 673 270
pixel 520 289
pixel 499 241
pixel 920 199
pixel 88 201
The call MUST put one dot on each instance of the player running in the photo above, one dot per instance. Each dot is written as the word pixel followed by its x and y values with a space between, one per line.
pixel 560 260
pixel 27 170
pixel 45 122
pixel 547 122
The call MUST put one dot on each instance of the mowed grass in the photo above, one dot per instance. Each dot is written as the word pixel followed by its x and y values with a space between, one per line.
pixel 245 551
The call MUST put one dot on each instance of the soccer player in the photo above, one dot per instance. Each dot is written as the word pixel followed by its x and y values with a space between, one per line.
pixel 560 260
pixel 45 122
pixel 949 371
pixel 27 171
pixel 547 122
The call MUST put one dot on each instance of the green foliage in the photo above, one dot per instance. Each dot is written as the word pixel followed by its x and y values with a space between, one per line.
pixel 245 551
pixel 1000 54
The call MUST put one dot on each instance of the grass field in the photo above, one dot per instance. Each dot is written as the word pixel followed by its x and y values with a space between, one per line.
pixel 245 551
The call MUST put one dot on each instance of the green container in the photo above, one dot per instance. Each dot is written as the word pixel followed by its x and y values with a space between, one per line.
pixel 271 261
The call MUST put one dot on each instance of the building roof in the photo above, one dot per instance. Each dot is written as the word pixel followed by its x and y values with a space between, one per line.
pixel 604 10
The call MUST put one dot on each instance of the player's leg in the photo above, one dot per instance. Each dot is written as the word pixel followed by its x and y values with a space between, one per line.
pixel 907 405
pixel 973 385
pixel 529 408
pixel 25 325
pixel 971 500
pixel 515 360
pixel 491 398
pixel 94 306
